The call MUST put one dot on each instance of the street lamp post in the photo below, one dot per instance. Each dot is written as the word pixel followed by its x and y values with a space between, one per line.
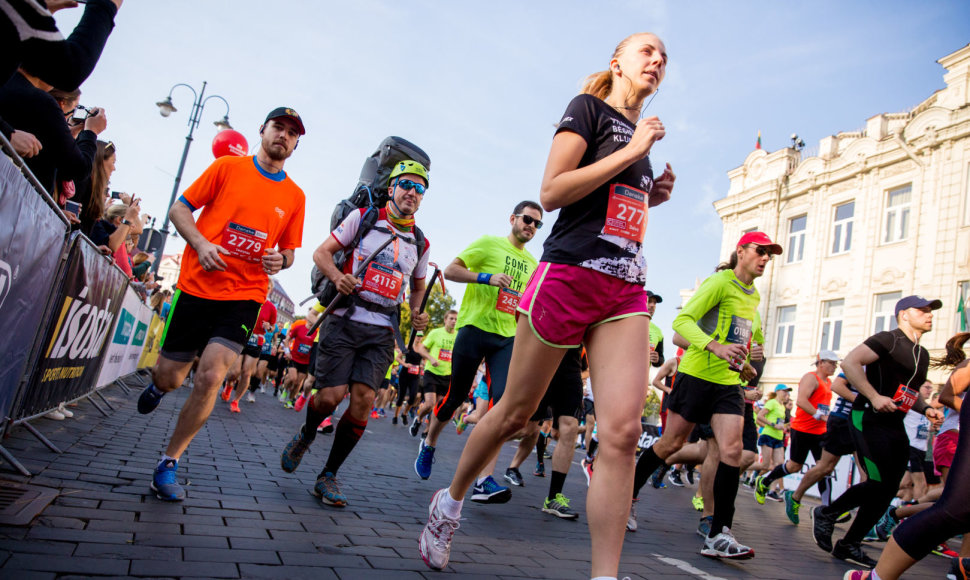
pixel 166 108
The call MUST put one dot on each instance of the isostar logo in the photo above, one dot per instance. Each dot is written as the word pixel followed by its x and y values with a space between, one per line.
pixel 81 329
pixel 125 325
pixel 141 331
pixel 6 281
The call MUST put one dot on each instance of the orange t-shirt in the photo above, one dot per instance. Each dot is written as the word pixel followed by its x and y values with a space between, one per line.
pixel 822 396
pixel 245 210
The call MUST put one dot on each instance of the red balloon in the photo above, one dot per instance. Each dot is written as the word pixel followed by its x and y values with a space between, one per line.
pixel 229 142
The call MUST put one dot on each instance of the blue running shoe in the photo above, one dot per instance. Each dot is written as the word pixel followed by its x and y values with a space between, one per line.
pixel 149 399
pixel 489 491
pixel 293 452
pixel 328 491
pixel 165 482
pixel 422 465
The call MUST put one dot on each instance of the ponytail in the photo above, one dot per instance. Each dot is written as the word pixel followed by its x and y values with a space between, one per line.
pixel 731 264
pixel 598 85
pixel 954 352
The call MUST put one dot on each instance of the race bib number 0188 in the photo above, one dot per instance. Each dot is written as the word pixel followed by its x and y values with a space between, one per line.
pixel 508 300
pixel 243 242
pixel 383 280
pixel 626 214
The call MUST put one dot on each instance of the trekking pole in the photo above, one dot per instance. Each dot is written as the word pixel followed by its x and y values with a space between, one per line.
pixel 424 301
pixel 360 270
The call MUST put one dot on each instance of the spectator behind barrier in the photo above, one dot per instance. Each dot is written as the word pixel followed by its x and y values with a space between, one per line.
pixel 68 102
pixel 120 221
pixel 25 103
pixel 141 265
pixel 92 206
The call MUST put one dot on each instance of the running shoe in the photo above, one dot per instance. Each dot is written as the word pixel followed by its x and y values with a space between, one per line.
pixel 165 482
pixel 852 553
pixel 326 426
pixel 724 545
pixel 959 569
pixel 328 490
pixel 300 403
pixel 822 528
pixel 857 575
pixel 513 476
pixel 234 407
pixel 746 482
pixel 674 478
pixel 373 414
pixel 540 470
pixel 792 507
pixel 489 491
pixel 251 397
pixel 871 535
pixel 690 476
pixel 149 399
pixel 631 522
pixel 886 524
pixel 760 489
pixel 580 445
pixel 394 420
pixel 587 465
pixel 704 526
pixel 422 465
pixel 288 405
pixel 404 419
pixel 381 414
pixel 548 453
pixel 413 429
pixel 559 507
pixel 293 452
pixel 698 503
pixel 226 392
pixel 65 411
pixel 460 424
pixel 773 496
pixel 945 551
pixel 657 479
pixel 434 544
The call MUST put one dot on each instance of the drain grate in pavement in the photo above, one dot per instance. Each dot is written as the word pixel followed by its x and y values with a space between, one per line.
pixel 19 504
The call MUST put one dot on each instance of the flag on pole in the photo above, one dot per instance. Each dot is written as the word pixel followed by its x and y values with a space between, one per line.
pixel 962 310
pixel 758 144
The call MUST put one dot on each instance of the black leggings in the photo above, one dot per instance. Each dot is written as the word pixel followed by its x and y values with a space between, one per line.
pixel 407 384
pixel 950 515
pixel 471 346
pixel 884 452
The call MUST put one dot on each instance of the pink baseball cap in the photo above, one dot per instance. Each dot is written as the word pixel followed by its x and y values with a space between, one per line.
pixel 759 239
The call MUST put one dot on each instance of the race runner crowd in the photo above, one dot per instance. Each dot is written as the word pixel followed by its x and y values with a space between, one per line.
pixel 540 347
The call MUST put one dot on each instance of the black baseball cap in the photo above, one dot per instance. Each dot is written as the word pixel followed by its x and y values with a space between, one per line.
pixel 656 297
pixel 917 302
pixel 289 114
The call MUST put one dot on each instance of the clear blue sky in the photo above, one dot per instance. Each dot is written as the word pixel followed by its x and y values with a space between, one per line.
pixel 480 85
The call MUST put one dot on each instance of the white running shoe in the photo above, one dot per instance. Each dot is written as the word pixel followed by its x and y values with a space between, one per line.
pixel 631 522
pixel 435 541
pixel 724 545
pixel 251 397
pixel 64 411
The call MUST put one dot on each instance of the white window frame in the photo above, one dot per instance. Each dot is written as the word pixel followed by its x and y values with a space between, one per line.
pixel 796 240
pixel 831 325
pixel 785 330
pixel 897 217
pixel 885 319
pixel 842 230
pixel 963 289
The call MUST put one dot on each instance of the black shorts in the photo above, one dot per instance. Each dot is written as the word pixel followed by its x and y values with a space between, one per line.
pixel 838 436
pixel 802 443
pixel 353 352
pixel 385 383
pixel 564 396
pixel 312 365
pixel 437 384
pixel 195 322
pixel 697 400
pixel 749 437
pixel 270 359
pixel 301 368
pixel 700 431
pixel 917 460
pixel 588 407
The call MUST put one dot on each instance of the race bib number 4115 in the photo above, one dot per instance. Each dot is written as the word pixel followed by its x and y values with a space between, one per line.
pixel 626 214
pixel 383 280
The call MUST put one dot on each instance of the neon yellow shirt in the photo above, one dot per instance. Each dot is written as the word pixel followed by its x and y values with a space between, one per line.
pixel 440 343
pixel 480 303
pixel 775 413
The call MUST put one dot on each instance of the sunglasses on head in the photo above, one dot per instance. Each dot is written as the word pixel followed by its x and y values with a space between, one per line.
pixel 529 220
pixel 762 251
pixel 408 185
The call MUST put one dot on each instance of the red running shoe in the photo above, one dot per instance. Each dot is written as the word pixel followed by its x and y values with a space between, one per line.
pixel 300 403
pixel 226 392
pixel 945 551
pixel 234 407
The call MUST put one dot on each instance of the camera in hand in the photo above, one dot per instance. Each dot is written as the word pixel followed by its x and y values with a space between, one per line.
pixel 73 207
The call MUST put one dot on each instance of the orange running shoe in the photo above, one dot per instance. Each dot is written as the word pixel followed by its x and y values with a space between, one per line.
pixel 226 392
pixel 234 407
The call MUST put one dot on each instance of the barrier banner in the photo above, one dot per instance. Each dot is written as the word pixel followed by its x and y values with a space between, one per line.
pixel 153 343
pixel 143 318
pixel 121 337
pixel 32 239
pixel 74 344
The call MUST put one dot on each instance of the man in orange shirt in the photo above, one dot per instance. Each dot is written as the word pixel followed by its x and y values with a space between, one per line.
pixel 808 425
pixel 251 222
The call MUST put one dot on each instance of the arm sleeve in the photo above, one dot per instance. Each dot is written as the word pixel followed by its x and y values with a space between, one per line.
pixel 700 303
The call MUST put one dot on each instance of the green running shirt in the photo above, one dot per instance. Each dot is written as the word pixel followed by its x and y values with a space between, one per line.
pixel 479 305
pixel 440 344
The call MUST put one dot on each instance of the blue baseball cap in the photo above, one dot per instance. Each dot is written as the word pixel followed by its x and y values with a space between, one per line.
pixel 782 388
pixel 917 302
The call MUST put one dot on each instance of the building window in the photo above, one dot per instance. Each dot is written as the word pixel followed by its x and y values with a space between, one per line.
pixel 796 239
pixel 831 338
pixel 842 228
pixel 785 330
pixel 963 307
pixel 884 311
pixel 966 199
pixel 898 203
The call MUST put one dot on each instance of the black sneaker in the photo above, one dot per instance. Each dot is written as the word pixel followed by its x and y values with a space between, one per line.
pixel 959 568
pixel 149 399
pixel 513 476
pixel 415 426
pixel 822 528
pixel 853 554
pixel 675 479
pixel 690 476
pixel 394 421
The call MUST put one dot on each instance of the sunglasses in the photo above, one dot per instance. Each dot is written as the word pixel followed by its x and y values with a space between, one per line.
pixel 109 148
pixel 529 220
pixel 762 251
pixel 408 185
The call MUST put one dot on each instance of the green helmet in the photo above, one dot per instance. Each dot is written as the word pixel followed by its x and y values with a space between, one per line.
pixel 409 166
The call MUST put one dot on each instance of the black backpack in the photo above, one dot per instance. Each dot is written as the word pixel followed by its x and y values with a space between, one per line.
pixel 370 194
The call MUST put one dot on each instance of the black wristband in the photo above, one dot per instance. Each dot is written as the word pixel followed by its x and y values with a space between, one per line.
pixel 283 267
